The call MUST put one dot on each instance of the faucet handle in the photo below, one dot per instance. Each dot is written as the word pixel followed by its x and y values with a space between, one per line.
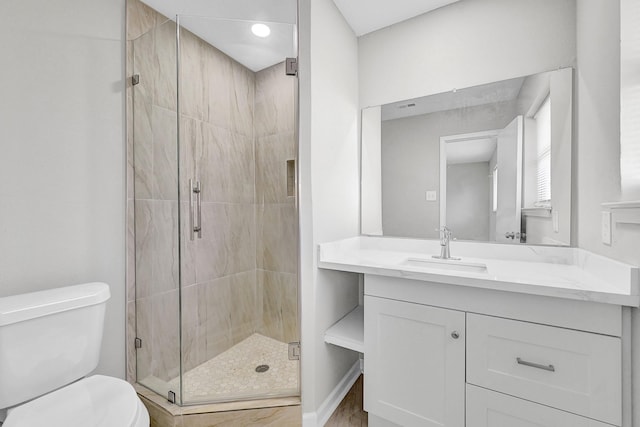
pixel 445 235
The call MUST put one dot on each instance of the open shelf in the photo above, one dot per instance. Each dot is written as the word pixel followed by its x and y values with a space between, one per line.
pixel 348 332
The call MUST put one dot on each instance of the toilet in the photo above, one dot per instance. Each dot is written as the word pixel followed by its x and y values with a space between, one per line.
pixel 49 342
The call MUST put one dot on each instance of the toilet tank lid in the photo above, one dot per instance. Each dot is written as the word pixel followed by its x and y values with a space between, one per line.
pixel 18 308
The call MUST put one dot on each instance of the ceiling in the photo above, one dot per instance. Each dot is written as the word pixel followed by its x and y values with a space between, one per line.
pixel 471 151
pixel 226 24
pixel 365 16
pixel 506 90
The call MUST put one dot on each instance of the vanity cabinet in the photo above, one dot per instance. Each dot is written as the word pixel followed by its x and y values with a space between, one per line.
pixel 414 356
pixel 452 356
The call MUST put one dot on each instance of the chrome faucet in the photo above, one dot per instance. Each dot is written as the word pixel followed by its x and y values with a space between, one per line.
pixel 445 238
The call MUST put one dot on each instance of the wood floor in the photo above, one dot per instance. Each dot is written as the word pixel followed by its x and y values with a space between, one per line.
pixel 350 412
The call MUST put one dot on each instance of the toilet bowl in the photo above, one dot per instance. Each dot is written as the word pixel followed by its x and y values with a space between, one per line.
pixel 49 343
pixel 92 401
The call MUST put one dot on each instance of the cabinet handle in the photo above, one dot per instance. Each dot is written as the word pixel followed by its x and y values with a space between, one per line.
pixel 455 335
pixel 549 368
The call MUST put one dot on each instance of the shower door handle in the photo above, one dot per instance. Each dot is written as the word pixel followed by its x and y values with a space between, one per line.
pixel 195 206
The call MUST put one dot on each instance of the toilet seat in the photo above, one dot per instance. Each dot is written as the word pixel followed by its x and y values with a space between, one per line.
pixel 96 401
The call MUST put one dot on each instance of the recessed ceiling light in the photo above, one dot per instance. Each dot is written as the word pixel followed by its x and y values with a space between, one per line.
pixel 260 30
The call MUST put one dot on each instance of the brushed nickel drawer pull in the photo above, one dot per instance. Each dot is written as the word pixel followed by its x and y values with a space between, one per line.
pixel 550 368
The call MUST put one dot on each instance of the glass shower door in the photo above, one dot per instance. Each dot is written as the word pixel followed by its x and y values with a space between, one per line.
pixel 237 128
pixel 155 161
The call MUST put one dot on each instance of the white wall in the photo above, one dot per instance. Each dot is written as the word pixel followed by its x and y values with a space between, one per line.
pixel 411 164
pixel 630 98
pixel 468 200
pixel 465 44
pixel 329 184
pixel 371 181
pixel 598 129
pixel 561 145
pixel 62 153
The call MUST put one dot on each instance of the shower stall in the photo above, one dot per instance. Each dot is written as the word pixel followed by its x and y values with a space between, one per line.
pixel 213 236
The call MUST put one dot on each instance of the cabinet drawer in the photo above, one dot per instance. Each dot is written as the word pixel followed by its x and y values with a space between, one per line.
pixel 575 371
pixel 486 408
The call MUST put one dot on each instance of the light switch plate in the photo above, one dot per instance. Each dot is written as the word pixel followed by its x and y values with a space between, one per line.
pixel 606 228
pixel 555 219
pixel 431 196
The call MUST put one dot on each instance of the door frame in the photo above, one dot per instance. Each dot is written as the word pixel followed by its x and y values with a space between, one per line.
pixel 451 139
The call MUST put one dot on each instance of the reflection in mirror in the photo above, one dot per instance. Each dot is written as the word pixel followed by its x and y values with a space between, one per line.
pixel 491 162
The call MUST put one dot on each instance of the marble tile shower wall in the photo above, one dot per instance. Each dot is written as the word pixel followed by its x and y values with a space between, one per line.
pixel 276 248
pixel 216 124
pixel 236 133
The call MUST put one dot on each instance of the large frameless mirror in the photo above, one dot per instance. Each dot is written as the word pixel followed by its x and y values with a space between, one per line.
pixel 491 162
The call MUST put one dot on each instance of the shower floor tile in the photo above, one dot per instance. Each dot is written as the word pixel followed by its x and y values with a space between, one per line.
pixel 232 374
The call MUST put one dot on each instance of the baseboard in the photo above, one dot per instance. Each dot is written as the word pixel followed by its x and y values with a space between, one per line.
pixel 322 415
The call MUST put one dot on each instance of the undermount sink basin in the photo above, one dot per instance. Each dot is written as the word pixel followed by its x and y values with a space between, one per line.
pixel 446 264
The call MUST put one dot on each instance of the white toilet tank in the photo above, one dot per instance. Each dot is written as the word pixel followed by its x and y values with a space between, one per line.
pixel 49 339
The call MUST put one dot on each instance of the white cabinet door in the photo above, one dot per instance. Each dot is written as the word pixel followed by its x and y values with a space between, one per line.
pixel 486 408
pixel 414 363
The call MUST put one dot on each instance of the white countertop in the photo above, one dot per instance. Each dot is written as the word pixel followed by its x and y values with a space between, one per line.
pixel 561 272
